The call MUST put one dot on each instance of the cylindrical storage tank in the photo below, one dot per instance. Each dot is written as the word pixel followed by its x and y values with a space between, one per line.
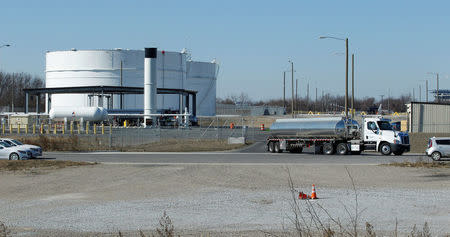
pixel 202 77
pixel 94 114
pixel 312 127
pixel 76 68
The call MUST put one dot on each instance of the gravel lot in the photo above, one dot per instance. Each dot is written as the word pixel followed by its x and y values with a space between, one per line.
pixel 220 198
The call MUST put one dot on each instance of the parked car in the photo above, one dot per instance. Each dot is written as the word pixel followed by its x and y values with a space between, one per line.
pixel 36 151
pixel 13 152
pixel 438 147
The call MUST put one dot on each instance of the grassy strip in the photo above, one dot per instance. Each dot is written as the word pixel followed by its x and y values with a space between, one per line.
pixel 184 145
pixel 12 165
pixel 419 164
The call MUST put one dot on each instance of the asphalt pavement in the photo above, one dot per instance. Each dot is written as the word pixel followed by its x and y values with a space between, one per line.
pixel 254 154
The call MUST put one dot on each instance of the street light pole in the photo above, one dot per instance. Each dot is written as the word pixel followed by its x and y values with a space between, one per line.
pixel 437 84
pixel 284 90
pixel 346 69
pixel 292 80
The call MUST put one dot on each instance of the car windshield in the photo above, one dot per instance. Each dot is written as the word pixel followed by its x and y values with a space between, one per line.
pixel 384 125
pixel 5 144
pixel 17 142
pixel 10 143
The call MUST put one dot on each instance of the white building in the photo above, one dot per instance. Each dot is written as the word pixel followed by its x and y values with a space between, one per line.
pixel 76 68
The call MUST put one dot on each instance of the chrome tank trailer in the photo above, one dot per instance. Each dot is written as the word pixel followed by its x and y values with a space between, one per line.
pixel 337 127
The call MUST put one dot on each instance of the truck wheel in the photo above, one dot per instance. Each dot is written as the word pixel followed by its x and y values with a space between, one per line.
pixel 328 149
pixel 436 156
pixel 398 153
pixel 276 148
pixel 385 149
pixel 342 149
pixel 271 147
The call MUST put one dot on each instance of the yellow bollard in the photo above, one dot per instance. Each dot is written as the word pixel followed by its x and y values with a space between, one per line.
pixel 63 129
pixel 41 128
pixel 18 128
pixel 26 129
pixel 71 128
pixel 87 127
pixel 110 129
pixel 95 128
pixel 78 128
pixel 3 128
pixel 54 130
pixel 103 128
pixel 34 128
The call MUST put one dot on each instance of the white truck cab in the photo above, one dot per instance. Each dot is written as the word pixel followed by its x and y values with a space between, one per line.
pixel 378 135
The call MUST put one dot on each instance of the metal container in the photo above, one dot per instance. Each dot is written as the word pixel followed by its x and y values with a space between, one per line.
pixel 93 114
pixel 202 77
pixel 315 127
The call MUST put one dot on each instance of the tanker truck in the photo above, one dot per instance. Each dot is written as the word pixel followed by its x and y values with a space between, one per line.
pixel 336 135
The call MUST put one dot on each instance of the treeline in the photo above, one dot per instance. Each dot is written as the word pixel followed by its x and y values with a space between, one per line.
pixel 327 103
pixel 12 94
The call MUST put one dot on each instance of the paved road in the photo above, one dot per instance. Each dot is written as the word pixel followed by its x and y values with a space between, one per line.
pixel 228 157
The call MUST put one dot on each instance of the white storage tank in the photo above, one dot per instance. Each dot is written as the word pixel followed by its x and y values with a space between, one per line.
pixel 202 77
pixel 93 114
pixel 74 68
pixel 103 67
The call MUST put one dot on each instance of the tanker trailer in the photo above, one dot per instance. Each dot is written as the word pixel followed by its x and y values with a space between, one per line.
pixel 335 135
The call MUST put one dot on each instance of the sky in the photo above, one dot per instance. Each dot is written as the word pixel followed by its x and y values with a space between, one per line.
pixel 396 43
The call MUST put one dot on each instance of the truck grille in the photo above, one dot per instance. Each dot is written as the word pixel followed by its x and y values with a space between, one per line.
pixel 405 139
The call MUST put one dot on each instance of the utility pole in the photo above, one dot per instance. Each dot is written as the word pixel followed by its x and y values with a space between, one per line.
pixel 353 85
pixel 437 87
pixel 420 93
pixel 321 99
pixel 315 103
pixel 292 71
pixel 346 78
pixel 382 99
pixel 284 90
pixel 296 93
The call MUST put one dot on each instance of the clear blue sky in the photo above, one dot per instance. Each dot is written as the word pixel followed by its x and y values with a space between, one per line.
pixel 395 42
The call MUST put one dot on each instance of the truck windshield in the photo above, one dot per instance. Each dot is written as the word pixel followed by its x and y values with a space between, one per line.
pixel 384 125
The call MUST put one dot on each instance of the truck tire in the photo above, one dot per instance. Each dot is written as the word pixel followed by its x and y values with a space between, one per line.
pixel 276 148
pixel 436 156
pixel 328 149
pixel 385 149
pixel 271 147
pixel 342 149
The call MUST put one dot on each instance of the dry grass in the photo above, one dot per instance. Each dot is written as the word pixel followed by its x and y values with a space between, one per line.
pixel 12 165
pixel 419 164
pixel 184 145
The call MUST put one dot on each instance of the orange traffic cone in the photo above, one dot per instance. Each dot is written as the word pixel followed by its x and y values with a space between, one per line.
pixel 313 193
pixel 301 195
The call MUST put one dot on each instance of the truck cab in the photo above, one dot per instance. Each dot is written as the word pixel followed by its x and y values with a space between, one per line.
pixel 378 135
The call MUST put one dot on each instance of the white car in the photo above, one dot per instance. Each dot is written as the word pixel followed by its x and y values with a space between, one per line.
pixel 36 151
pixel 13 152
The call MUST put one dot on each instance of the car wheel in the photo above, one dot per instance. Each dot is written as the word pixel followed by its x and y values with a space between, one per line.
pixel 342 149
pixel 328 149
pixel 385 149
pixel 14 156
pixel 436 156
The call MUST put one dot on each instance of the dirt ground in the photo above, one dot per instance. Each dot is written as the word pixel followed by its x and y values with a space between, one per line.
pixel 214 200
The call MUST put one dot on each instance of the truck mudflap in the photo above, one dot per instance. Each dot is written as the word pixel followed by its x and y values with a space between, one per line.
pixel 400 147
